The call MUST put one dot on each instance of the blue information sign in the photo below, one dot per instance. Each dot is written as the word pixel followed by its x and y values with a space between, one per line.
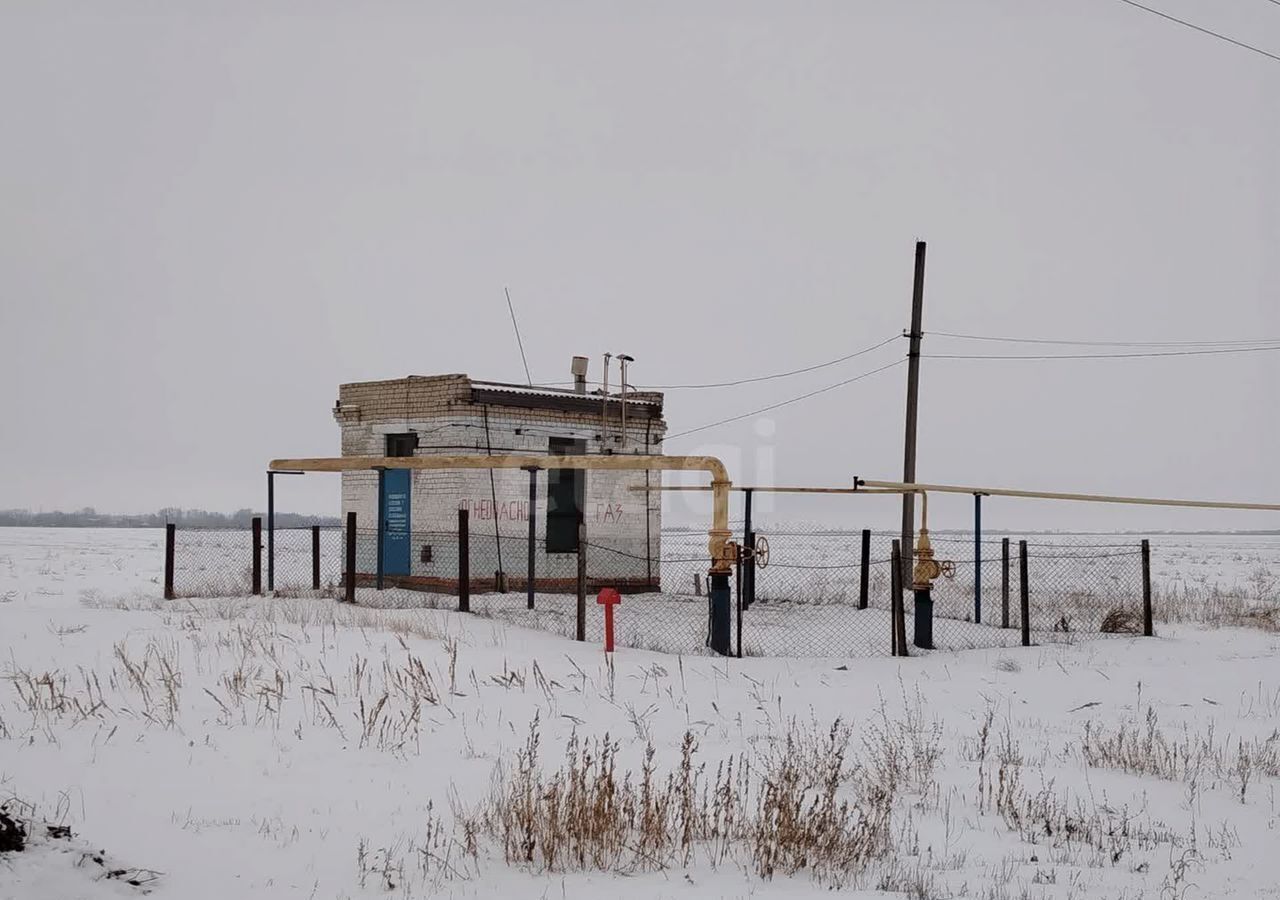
pixel 396 522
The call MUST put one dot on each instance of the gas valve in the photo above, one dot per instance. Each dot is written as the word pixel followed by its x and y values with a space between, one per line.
pixel 927 569
pixel 761 552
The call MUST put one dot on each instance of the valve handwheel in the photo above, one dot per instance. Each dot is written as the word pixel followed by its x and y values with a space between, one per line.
pixel 762 551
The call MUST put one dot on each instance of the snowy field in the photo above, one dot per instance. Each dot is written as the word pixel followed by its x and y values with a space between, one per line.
pixel 294 747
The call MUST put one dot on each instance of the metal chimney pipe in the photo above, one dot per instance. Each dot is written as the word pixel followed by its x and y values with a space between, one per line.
pixel 604 403
pixel 623 359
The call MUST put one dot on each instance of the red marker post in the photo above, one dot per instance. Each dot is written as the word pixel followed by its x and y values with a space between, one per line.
pixel 608 599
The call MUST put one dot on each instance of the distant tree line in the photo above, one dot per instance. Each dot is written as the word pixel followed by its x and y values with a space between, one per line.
pixel 88 517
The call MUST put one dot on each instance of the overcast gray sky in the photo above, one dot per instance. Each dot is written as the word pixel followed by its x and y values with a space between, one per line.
pixel 213 214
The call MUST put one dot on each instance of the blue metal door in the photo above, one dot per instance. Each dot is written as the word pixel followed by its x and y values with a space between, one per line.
pixel 395 522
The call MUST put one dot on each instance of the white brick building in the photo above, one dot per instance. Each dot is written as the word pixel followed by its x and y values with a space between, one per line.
pixel 451 414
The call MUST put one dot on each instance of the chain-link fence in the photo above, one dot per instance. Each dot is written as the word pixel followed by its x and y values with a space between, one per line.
pixel 664 606
pixel 306 559
pixel 209 562
pixel 822 592
pixel 1076 584
pixel 221 562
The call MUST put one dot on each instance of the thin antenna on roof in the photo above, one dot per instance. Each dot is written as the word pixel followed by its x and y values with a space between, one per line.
pixel 523 359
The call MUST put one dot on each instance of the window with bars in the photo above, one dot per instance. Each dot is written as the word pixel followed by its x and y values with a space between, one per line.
pixel 402 444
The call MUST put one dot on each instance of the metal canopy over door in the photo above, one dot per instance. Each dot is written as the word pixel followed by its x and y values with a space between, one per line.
pixel 396 522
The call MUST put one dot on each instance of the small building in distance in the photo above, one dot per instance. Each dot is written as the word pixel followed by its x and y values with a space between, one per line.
pixel 454 414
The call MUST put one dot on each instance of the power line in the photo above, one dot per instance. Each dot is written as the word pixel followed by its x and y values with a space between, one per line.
pixel 758 378
pixel 1082 343
pixel 523 359
pixel 752 380
pixel 1202 30
pixel 756 412
pixel 1098 355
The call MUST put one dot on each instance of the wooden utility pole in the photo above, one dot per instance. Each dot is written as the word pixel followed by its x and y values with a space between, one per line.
pixel 913 397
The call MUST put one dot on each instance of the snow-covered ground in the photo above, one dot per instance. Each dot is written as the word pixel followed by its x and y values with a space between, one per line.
pixel 295 747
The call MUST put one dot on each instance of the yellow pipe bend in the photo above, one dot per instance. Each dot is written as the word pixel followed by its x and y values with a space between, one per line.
pixel 717 536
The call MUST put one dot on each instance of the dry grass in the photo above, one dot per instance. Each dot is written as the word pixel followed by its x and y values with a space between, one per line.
pixel 902 753
pixel 156 677
pixel 1193 758
pixel 426 861
pixel 1066 823
pixel 1074 829
pixel 1121 621
pixel 783 814
pixel 1064 820
pixel 252 669
pixel 1264 618
pixel 1215 606
pixel 309 611
pixel 57 695
pixel 145 685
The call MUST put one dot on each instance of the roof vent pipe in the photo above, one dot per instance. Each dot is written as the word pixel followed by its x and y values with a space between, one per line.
pixel 604 403
pixel 623 359
pixel 579 369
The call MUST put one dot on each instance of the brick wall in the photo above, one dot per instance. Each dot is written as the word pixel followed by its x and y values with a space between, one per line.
pixel 440 411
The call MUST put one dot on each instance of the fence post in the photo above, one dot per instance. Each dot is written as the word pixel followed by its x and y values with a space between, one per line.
pixel 899 616
pixel 271 531
pixel 170 538
pixel 894 574
pixel 1147 628
pixel 902 607
pixel 1025 590
pixel 257 555
pixel 582 580
pixel 464 560
pixel 533 532
pixel 382 525
pixel 350 593
pixel 738 565
pixel 977 559
pixel 865 583
pixel 749 543
pixel 315 557
pixel 1004 583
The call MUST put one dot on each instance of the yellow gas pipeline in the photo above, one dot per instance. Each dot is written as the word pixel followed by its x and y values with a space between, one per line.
pixel 720 548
